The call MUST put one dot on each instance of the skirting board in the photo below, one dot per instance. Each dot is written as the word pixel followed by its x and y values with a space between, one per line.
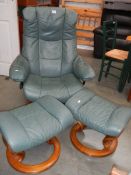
pixel 85 47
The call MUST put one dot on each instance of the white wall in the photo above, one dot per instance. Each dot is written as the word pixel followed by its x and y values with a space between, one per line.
pixel 84 5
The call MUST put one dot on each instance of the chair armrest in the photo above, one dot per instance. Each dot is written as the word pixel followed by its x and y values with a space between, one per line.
pixel 19 69
pixel 82 70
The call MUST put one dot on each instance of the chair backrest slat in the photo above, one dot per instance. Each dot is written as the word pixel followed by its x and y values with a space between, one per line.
pixel 109 35
pixel 89 17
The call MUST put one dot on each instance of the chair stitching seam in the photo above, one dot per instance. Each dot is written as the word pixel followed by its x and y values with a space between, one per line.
pixel 22 126
pixel 117 107
pixel 37 19
pixel 62 39
pixel 50 113
pixel 65 86
pixel 86 102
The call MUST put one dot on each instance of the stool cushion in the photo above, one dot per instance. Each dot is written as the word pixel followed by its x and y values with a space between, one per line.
pixel 35 123
pixel 98 113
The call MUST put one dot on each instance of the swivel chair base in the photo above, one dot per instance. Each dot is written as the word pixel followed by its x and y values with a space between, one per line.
pixel 110 143
pixel 15 159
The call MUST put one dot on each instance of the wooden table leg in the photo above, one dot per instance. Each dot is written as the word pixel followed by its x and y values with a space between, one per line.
pixel 129 95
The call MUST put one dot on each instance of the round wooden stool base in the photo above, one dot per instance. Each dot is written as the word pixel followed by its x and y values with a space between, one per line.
pixel 15 159
pixel 109 143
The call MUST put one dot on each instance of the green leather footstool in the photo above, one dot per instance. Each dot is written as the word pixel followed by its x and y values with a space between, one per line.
pixel 31 125
pixel 98 114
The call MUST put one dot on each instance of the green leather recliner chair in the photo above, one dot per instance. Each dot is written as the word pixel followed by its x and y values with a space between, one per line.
pixel 49 63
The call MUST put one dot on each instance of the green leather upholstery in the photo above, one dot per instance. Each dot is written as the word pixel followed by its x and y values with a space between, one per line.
pixel 61 87
pixel 33 124
pixel 98 113
pixel 82 70
pixel 49 53
pixel 20 69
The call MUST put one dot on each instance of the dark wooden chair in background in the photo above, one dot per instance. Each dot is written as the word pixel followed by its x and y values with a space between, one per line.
pixel 129 94
pixel 111 55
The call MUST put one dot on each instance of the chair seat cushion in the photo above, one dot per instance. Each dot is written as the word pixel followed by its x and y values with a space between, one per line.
pixel 98 113
pixel 117 54
pixel 61 88
pixel 35 123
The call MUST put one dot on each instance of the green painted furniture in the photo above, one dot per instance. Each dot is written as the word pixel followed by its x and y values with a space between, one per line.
pixel 100 115
pixel 113 55
pixel 31 125
pixel 49 63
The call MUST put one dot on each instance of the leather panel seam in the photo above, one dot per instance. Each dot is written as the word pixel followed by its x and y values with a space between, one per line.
pixel 62 41
pixel 86 103
pixel 111 115
pixel 22 127
pixel 50 114
pixel 65 86
pixel 37 20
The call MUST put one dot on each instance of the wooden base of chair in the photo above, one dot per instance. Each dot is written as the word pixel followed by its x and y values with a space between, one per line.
pixel 109 143
pixel 117 171
pixel 15 159
pixel 129 95
pixel 28 102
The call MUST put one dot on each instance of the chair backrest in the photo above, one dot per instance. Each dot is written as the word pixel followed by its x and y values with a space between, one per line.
pixel 49 40
pixel 129 58
pixel 109 34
